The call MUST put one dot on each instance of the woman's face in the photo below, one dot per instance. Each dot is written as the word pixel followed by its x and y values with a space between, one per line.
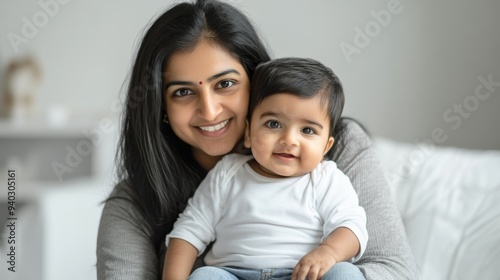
pixel 206 98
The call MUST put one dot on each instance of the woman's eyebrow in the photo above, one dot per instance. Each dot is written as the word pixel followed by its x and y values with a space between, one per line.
pixel 222 74
pixel 211 78
pixel 178 83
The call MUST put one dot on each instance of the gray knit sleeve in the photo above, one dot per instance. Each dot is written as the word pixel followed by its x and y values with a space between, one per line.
pixel 388 254
pixel 124 248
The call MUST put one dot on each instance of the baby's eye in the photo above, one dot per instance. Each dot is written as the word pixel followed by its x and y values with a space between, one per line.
pixel 308 130
pixel 273 124
pixel 225 84
pixel 182 92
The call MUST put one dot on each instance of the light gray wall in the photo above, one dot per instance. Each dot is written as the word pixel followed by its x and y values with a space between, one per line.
pixel 404 82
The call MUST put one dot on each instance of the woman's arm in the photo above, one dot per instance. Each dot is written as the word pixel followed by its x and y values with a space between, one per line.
pixel 124 248
pixel 388 254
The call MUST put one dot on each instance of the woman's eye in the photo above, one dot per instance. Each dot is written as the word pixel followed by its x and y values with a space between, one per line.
pixel 225 84
pixel 308 130
pixel 273 124
pixel 182 92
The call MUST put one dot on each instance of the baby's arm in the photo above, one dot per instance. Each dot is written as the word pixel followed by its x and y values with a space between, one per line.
pixel 179 259
pixel 344 227
pixel 341 245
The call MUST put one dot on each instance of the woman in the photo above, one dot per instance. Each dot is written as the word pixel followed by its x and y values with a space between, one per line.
pixel 186 108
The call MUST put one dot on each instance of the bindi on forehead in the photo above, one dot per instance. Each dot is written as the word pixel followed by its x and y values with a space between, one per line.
pixel 200 82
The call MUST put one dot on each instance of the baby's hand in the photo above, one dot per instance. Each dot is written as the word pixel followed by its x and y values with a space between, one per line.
pixel 315 264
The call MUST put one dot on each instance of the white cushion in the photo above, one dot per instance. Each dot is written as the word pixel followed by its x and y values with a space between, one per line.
pixel 449 200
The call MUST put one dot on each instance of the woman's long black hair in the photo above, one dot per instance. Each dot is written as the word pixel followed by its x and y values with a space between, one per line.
pixel 158 168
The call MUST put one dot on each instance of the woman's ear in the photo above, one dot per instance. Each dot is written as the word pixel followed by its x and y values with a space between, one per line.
pixel 247 136
pixel 329 144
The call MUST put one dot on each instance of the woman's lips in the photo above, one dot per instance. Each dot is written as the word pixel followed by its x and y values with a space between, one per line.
pixel 214 130
pixel 216 127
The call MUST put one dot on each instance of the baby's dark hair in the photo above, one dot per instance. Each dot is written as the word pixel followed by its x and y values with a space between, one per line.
pixel 302 77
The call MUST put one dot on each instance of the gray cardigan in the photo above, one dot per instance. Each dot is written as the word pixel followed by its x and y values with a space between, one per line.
pixel 125 251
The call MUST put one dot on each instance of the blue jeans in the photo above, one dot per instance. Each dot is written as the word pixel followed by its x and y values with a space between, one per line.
pixel 340 271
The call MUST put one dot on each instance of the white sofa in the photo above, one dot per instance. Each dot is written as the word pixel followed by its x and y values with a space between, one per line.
pixel 449 200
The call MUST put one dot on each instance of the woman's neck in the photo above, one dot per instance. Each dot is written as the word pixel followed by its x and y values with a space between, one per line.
pixel 206 161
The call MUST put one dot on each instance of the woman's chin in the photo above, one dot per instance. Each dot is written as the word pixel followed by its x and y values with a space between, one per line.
pixel 219 151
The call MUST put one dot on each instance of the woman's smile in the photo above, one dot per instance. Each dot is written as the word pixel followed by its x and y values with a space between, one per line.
pixel 213 128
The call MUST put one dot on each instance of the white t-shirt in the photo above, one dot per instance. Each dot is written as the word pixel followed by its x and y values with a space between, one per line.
pixel 259 222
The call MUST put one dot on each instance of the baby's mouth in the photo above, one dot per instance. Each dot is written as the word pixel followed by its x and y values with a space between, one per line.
pixel 285 155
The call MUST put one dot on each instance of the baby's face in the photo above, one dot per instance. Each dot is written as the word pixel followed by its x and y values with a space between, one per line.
pixel 288 135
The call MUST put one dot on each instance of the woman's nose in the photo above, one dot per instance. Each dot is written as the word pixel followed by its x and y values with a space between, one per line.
pixel 209 106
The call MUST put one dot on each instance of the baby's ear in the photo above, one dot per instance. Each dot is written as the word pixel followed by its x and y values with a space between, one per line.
pixel 329 144
pixel 247 136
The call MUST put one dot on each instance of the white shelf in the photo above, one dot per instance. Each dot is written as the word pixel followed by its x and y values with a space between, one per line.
pixel 31 190
pixel 46 143
pixel 27 190
pixel 40 128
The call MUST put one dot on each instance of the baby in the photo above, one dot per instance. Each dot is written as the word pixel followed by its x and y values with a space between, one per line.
pixel 283 211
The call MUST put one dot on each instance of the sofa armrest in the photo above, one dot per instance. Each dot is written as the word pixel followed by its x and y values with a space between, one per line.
pixel 449 200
